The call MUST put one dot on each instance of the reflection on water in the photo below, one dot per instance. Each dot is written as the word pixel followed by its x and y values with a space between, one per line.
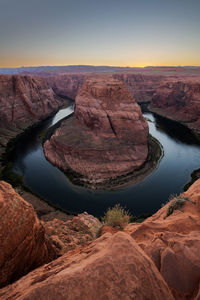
pixel 181 157
pixel 62 113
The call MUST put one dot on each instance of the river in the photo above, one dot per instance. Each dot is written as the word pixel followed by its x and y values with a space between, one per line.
pixel 181 157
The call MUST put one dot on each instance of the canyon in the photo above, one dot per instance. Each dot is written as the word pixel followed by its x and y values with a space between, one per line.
pixel 107 127
pixel 51 254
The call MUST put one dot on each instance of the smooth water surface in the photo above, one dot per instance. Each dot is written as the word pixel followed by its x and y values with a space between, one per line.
pixel 181 157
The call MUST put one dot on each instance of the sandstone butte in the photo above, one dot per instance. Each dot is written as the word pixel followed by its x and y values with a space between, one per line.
pixel 107 136
pixel 180 101
pixel 156 259
pixel 24 100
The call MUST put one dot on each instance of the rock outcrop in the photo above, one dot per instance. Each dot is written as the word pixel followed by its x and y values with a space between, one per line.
pixel 106 138
pixel 24 100
pixel 172 241
pixel 112 267
pixel 68 235
pixel 180 101
pixel 157 259
pixel 23 244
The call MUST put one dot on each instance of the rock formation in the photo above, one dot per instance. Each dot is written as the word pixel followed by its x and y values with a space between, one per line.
pixel 173 242
pixel 156 259
pixel 141 86
pixel 68 235
pixel 180 101
pixel 67 85
pixel 112 267
pixel 23 244
pixel 24 100
pixel 106 138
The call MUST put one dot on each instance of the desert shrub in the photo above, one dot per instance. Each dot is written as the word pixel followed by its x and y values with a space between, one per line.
pixel 176 203
pixel 116 216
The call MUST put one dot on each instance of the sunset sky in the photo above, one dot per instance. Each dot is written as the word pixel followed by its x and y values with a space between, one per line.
pixel 99 32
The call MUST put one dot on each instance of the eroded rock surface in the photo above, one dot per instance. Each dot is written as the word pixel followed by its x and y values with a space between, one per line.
pixel 68 235
pixel 179 100
pixel 141 86
pixel 23 244
pixel 112 267
pixel 24 100
pixel 106 138
pixel 67 85
pixel 173 243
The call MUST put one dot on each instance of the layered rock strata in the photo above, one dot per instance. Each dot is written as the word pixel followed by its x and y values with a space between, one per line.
pixel 67 85
pixel 107 136
pixel 141 86
pixel 23 243
pixel 24 100
pixel 180 101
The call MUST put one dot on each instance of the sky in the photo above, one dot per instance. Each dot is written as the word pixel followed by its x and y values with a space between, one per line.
pixel 133 33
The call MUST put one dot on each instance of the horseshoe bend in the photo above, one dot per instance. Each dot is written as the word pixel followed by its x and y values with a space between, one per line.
pixel 107 137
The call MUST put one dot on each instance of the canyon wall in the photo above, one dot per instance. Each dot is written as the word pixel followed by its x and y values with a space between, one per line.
pixel 180 101
pixel 67 85
pixel 141 86
pixel 107 136
pixel 24 100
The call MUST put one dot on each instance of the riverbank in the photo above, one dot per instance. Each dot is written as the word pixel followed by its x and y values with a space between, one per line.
pixel 161 113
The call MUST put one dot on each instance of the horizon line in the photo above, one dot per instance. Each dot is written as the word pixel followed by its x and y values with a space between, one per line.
pixel 111 66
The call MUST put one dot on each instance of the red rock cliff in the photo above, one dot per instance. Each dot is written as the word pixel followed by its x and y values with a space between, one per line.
pixel 107 136
pixel 67 85
pixel 25 99
pixel 141 86
pixel 179 100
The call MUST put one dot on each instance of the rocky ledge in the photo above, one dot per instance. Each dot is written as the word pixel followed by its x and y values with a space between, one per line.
pixel 157 259
pixel 106 138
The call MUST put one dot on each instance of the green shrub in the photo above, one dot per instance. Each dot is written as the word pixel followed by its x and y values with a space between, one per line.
pixel 176 204
pixel 116 216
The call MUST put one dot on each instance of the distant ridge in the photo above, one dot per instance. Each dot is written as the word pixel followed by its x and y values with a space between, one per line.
pixel 50 70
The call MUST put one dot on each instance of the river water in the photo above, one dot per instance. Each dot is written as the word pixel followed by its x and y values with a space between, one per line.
pixel 181 157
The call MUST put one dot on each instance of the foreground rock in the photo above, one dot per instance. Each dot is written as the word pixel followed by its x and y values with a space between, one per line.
pixel 180 101
pixel 106 138
pixel 112 267
pixel 173 242
pixel 23 244
pixel 68 235
pixel 24 100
